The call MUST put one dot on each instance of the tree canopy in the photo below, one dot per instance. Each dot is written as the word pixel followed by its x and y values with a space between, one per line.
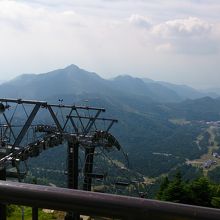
pixel 201 191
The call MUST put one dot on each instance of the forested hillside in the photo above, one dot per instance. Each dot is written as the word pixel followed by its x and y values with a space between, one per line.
pixel 157 128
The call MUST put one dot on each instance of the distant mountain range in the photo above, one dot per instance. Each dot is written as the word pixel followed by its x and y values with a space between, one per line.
pixel 155 118
pixel 73 80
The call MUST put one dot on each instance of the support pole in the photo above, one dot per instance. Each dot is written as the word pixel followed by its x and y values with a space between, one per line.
pixel 34 213
pixel 73 167
pixel 73 173
pixel 3 214
pixel 89 156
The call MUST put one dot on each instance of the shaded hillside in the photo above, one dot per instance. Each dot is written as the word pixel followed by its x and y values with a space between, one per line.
pixel 137 86
pixel 206 108
pixel 184 91
pixel 154 144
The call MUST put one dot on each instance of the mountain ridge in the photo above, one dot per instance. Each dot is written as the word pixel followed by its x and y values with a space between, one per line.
pixel 74 80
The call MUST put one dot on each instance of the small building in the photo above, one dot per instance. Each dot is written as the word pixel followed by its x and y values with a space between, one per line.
pixel 216 155
pixel 207 164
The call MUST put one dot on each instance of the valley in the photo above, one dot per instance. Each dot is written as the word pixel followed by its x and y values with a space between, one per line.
pixel 159 126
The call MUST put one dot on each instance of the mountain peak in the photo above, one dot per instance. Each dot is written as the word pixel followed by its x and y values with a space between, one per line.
pixel 72 67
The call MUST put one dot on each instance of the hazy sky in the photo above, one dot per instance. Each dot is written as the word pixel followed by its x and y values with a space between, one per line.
pixel 172 40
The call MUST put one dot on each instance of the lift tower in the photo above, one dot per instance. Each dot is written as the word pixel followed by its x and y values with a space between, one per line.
pixel 26 132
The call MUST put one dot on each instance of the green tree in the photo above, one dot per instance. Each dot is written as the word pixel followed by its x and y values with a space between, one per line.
pixel 174 191
pixel 215 202
pixel 200 192
pixel 10 210
pixel 165 182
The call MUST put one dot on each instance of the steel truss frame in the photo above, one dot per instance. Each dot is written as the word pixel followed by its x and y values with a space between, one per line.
pixel 75 135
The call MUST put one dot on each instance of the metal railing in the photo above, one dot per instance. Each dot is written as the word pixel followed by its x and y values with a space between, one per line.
pixel 100 204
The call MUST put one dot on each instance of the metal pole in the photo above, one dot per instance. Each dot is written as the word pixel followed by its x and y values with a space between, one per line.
pixel 34 213
pixel 73 173
pixel 73 167
pixel 26 126
pixel 34 208
pixel 22 213
pixel 55 118
pixel 92 121
pixel 3 212
pixel 89 156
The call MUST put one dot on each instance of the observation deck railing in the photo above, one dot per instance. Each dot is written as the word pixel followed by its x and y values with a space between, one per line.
pixel 100 204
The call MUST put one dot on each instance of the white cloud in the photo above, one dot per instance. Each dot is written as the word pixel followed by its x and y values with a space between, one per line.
pixel 167 47
pixel 190 35
pixel 189 27
pixel 140 21
pixel 19 15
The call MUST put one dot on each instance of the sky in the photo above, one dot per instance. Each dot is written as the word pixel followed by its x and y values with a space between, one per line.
pixel 173 40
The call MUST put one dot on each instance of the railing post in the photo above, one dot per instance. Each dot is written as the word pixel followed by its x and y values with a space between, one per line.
pixel 3 213
pixel 34 213
pixel 34 209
